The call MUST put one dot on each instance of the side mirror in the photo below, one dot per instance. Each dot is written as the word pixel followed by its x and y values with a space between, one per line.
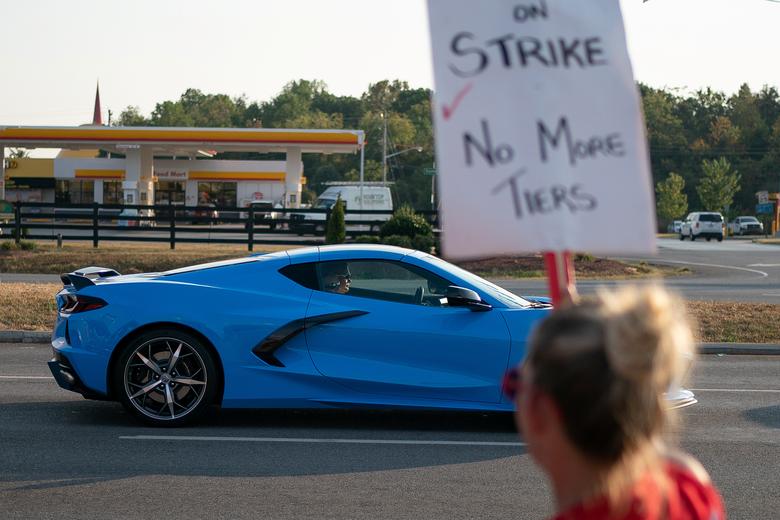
pixel 462 297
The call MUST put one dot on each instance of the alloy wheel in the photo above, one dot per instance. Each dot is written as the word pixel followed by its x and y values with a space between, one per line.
pixel 165 378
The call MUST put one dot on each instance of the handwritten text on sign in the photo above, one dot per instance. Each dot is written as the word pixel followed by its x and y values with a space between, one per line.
pixel 539 135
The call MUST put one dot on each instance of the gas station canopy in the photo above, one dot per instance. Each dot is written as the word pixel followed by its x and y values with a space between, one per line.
pixel 182 141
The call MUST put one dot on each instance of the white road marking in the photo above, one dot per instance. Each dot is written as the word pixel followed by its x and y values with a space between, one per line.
pixel 771 294
pixel 762 273
pixel 763 265
pixel 27 377
pixel 737 390
pixel 321 441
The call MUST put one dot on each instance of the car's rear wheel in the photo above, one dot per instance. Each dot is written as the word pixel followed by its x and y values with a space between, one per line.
pixel 166 377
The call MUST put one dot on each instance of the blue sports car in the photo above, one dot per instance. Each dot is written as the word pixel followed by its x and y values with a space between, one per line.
pixel 321 327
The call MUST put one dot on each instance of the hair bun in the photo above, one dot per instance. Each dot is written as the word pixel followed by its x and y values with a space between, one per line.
pixel 647 335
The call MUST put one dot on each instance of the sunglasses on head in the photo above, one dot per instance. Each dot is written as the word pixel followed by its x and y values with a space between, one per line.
pixel 510 385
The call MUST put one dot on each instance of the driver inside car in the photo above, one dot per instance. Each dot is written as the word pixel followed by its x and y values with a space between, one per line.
pixel 336 277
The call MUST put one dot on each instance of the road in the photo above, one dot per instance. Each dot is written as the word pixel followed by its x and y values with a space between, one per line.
pixel 733 270
pixel 65 457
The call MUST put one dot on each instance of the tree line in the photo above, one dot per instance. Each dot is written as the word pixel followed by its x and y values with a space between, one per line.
pixel 708 150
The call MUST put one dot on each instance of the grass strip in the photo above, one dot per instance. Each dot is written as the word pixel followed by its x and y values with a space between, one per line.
pixel 125 257
pixel 133 257
pixel 27 306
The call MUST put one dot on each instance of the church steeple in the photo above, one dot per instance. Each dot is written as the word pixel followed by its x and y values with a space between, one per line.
pixel 97 119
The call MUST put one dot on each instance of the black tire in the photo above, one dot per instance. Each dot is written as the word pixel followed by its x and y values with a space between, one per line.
pixel 682 237
pixel 148 390
pixel 720 239
pixel 709 238
pixel 693 237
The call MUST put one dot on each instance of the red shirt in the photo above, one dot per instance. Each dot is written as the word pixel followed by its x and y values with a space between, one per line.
pixel 686 498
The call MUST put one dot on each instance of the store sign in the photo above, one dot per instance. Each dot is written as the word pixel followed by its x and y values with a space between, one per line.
pixel 765 208
pixel 763 197
pixel 539 136
pixel 171 174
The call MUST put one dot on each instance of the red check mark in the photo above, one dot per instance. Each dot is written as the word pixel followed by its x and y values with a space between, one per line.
pixel 448 110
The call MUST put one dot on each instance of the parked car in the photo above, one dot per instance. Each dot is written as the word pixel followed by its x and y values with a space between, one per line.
pixel 705 224
pixel 378 324
pixel 746 226
pixel 264 214
pixel 375 198
pixel 124 221
pixel 204 214
pixel 674 227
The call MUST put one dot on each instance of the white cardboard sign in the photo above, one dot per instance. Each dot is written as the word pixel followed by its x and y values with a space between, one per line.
pixel 540 141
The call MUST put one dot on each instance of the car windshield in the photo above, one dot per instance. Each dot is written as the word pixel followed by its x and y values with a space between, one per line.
pixel 499 293
pixel 710 217
pixel 751 220
pixel 324 203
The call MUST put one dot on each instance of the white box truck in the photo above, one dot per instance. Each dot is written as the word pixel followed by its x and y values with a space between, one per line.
pixel 375 198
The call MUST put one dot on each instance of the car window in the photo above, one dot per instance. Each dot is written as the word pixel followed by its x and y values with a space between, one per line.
pixel 302 274
pixel 710 217
pixel 383 280
pixel 507 298
pixel 324 203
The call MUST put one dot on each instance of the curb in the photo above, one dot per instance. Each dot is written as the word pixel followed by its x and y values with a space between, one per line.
pixel 24 336
pixel 744 349
pixel 738 349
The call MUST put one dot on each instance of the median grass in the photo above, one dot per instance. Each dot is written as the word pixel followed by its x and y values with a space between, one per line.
pixel 125 257
pixel 585 267
pixel 135 257
pixel 27 306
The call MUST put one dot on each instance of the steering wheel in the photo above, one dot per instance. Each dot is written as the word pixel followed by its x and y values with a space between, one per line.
pixel 418 295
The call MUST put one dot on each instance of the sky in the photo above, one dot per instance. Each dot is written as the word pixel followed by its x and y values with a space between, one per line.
pixel 148 51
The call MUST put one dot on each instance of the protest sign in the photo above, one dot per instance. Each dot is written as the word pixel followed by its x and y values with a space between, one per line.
pixel 540 141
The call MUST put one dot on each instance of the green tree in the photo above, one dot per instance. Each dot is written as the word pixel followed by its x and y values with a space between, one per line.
pixel 672 202
pixel 718 184
pixel 335 230
pixel 131 116
pixel 664 131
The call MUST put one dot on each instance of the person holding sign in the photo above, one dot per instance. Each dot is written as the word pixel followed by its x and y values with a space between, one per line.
pixel 591 407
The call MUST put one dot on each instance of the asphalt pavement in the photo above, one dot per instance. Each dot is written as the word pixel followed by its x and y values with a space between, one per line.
pixel 65 457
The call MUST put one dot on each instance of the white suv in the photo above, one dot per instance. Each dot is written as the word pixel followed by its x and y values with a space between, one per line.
pixel 702 224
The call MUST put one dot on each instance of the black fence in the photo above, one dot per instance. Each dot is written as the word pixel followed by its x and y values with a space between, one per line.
pixel 186 224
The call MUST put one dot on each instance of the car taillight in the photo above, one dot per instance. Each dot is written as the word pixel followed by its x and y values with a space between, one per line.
pixel 696 225
pixel 79 303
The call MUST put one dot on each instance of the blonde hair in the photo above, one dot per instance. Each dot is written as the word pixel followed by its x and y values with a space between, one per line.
pixel 608 362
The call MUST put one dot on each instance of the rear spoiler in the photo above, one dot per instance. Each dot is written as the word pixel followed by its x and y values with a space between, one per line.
pixel 84 277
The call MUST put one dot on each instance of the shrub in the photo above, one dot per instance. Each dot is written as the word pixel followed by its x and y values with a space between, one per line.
pixel 367 239
pixel 423 243
pixel 398 240
pixel 27 245
pixel 407 223
pixel 335 230
pixel 6 246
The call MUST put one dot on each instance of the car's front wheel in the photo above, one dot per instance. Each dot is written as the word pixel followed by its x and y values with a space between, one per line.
pixel 166 377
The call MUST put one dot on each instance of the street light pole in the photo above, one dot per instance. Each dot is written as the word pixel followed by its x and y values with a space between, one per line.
pixel 385 157
pixel 384 149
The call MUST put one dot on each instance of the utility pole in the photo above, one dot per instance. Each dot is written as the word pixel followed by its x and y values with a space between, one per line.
pixel 384 149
